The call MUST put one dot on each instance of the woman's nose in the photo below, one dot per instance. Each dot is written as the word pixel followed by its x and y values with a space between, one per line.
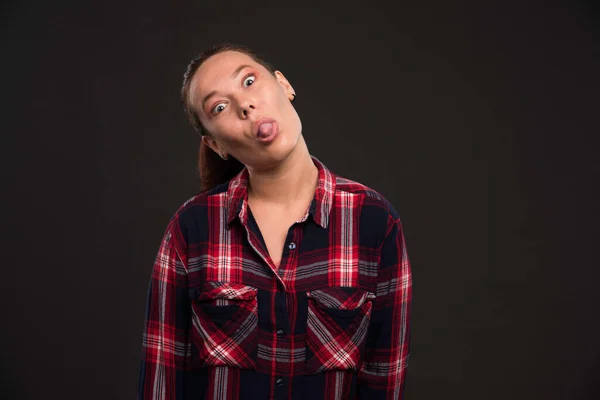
pixel 246 108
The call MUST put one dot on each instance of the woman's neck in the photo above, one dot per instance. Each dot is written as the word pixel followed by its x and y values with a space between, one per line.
pixel 293 180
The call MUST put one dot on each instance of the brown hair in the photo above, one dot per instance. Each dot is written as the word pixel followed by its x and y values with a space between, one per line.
pixel 212 169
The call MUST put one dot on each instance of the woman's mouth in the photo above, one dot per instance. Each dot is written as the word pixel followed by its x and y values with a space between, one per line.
pixel 266 130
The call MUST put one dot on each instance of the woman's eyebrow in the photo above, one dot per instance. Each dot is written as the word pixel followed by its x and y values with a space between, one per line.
pixel 239 69
pixel 233 76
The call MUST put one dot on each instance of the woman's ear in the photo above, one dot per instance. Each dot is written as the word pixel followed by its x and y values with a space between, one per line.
pixel 287 87
pixel 212 143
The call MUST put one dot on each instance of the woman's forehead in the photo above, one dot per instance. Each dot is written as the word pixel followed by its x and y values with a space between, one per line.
pixel 219 67
pixel 222 65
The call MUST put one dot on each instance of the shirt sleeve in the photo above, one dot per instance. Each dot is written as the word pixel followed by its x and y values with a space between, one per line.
pixel 165 348
pixel 383 372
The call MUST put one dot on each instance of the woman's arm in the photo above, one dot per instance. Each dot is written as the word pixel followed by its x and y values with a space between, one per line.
pixel 382 375
pixel 165 350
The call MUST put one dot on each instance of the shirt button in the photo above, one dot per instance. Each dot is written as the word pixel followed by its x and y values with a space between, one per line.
pixel 279 382
pixel 279 332
pixel 292 246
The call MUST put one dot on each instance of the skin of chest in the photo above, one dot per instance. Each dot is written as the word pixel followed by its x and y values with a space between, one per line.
pixel 274 225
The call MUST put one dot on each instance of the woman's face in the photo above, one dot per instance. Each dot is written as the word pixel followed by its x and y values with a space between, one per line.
pixel 246 109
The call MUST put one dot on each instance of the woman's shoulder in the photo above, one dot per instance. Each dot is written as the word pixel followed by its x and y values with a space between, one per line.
pixel 372 197
pixel 195 208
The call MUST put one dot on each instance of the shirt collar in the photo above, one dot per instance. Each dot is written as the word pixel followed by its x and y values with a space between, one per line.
pixel 319 209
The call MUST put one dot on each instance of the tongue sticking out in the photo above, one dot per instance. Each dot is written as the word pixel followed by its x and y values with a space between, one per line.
pixel 265 129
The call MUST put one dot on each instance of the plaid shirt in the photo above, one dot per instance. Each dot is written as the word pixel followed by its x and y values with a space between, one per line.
pixel 331 322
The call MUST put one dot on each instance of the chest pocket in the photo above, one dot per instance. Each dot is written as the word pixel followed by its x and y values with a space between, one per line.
pixel 225 324
pixel 338 320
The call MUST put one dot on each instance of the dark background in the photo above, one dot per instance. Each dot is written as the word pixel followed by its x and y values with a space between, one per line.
pixel 477 120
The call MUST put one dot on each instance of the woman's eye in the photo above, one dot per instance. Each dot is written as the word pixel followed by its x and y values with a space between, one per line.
pixel 249 80
pixel 218 108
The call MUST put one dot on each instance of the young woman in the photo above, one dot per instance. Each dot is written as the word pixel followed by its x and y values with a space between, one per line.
pixel 281 279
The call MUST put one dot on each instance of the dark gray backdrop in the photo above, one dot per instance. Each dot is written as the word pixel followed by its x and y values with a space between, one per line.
pixel 477 120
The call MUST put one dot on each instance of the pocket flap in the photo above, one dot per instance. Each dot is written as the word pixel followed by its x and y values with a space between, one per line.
pixel 223 291
pixel 342 298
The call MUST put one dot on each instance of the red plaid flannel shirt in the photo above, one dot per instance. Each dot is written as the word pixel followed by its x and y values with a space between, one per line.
pixel 332 322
